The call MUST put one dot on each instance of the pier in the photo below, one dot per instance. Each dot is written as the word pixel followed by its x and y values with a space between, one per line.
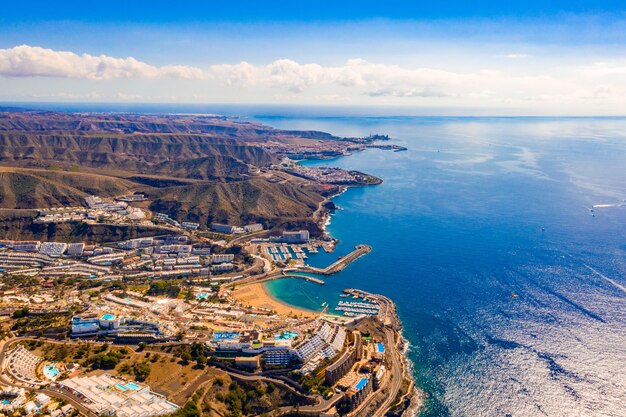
pixel 340 264
pixel 306 277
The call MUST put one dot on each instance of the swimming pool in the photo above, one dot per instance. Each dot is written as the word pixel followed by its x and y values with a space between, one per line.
pixel 380 348
pixel 132 386
pixel 5 402
pixel 285 335
pixel 50 371
pixel 121 387
pixel 219 336
pixel 359 386
pixel 108 316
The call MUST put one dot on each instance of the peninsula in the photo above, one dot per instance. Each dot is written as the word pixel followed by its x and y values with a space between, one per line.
pixel 132 264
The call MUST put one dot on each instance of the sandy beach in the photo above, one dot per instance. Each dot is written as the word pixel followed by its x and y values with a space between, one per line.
pixel 256 295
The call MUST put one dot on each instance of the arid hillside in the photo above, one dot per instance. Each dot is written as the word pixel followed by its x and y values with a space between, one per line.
pixel 195 168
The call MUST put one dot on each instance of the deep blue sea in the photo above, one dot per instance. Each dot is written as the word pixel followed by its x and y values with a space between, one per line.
pixel 476 210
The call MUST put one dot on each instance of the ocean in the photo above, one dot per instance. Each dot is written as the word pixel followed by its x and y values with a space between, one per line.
pixel 475 211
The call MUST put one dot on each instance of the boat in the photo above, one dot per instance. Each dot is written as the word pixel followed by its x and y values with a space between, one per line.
pixel 514 295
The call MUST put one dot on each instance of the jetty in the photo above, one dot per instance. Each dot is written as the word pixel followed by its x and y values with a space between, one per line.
pixel 341 263
pixel 306 277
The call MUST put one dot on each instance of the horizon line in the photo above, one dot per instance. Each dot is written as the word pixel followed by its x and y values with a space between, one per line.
pixel 40 106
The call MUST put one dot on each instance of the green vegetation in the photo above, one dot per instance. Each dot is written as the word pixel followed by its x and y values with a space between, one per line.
pixel 26 323
pixel 170 289
pixel 196 351
pixel 250 398
pixel 106 358
pixel 23 312
pixel 316 385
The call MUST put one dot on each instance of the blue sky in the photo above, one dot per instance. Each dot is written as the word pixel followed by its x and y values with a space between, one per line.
pixel 159 11
pixel 491 57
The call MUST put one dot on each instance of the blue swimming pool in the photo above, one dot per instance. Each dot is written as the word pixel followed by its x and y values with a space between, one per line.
pixel 285 335
pixel 363 382
pixel 108 316
pixel 5 402
pixel 121 387
pixel 380 348
pixel 132 386
pixel 219 336
pixel 50 371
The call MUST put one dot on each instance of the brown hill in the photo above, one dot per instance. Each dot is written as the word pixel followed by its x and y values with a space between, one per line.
pixel 240 202
pixel 207 126
pixel 177 155
pixel 195 168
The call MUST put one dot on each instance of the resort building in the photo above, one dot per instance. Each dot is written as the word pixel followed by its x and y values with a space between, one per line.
pixel 109 322
pixel 106 259
pixel 114 396
pixel 341 367
pixel 248 362
pixel 223 228
pixel 75 249
pixel 225 267
pixel 222 257
pixel 22 365
pixel 250 228
pixel 25 246
pixel 190 225
pixel 358 393
pixel 53 249
pixel 166 219
pixel 277 356
pixel 301 236
pixel 24 258
pixel 84 326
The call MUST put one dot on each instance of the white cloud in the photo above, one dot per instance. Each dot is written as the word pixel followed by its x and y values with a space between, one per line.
pixel 515 56
pixel 355 81
pixel 355 73
pixel 30 61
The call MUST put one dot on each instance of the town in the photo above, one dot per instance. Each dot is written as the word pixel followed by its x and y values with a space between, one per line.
pixel 78 320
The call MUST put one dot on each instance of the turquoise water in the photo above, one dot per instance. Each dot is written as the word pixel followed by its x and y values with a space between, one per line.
pixel 132 386
pixel 50 371
pixel 221 336
pixel 286 335
pixel 476 211
pixel 121 387
pixel 108 316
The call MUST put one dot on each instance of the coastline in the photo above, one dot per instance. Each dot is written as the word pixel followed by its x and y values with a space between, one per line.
pixel 413 401
pixel 257 295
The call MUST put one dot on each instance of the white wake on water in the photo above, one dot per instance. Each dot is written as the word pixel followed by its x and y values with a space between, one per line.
pixel 616 284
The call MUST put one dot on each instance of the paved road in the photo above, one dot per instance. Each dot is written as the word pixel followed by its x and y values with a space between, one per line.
pixel 245 237
pixel 396 375
pixel 324 405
